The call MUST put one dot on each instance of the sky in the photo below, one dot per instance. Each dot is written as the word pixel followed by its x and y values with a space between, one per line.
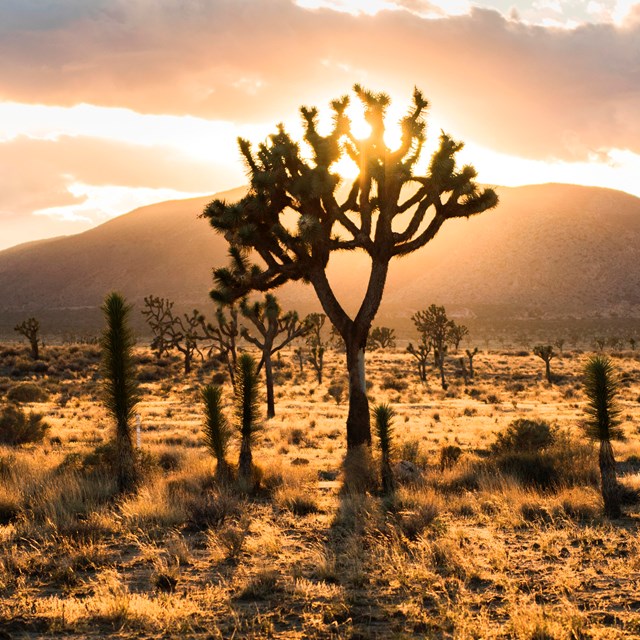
pixel 107 105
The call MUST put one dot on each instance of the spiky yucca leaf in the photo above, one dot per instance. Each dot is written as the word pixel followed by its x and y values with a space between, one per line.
pixel 120 387
pixel 246 396
pixel 384 415
pixel 217 432
pixel 602 387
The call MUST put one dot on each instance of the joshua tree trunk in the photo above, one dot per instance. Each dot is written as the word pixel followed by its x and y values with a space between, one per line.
pixel 548 370
pixel 358 427
pixel 35 352
pixel 609 483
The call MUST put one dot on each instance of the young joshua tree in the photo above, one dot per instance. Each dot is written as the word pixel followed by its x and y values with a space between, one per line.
pixel 217 432
pixel 603 425
pixel 272 325
pixel 29 329
pixel 317 345
pixel 546 353
pixel 120 386
pixel 421 354
pixel 384 415
pixel 247 415
pixel 293 217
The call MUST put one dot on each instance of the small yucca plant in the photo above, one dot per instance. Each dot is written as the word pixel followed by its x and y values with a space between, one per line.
pixel 120 386
pixel 602 425
pixel 217 432
pixel 384 415
pixel 247 414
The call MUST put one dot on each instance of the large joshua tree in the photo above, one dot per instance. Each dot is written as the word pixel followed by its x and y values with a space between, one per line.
pixel 29 329
pixel 120 385
pixel 603 425
pixel 293 218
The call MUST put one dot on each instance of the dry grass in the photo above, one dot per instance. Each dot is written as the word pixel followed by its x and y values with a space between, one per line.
pixel 474 548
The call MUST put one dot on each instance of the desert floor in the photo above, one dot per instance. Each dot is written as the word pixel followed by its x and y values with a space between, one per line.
pixel 511 546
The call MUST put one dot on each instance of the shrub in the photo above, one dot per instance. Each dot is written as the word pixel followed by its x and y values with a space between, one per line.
pixel 27 392
pixel 523 435
pixel 394 383
pixel 17 427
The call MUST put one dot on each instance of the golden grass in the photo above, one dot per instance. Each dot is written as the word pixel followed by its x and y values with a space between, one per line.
pixel 464 552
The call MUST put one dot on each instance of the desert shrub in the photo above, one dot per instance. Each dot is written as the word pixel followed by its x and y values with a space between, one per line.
pixel 336 391
pixel 27 392
pixel 18 427
pixel 449 455
pixel 529 468
pixel 395 383
pixel 523 435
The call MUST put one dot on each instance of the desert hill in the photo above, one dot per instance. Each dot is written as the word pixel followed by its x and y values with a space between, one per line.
pixel 546 250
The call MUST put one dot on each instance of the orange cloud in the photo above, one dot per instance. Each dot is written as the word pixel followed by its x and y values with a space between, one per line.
pixel 528 90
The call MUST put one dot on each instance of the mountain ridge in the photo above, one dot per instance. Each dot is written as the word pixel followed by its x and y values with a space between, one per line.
pixel 550 249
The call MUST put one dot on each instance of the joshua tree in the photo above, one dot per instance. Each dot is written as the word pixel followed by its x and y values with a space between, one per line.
pixel 268 319
pixel 383 415
pixel 173 331
pixel 434 325
pixel 29 329
pixel 217 432
pixel 599 343
pixel 381 338
pixel 632 343
pixel 301 357
pixel 471 355
pixel 120 385
pixel 247 414
pixel 456 334
pixel 559 343
pixel 384 215
pixel 224 335
pixel 421 354
pixel 603 425
pixel 159 315
pixel 317 346
pixel 546 353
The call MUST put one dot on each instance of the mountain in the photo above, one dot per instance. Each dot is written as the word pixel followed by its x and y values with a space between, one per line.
pixel 547 250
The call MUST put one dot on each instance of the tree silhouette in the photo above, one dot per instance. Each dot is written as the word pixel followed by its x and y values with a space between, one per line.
pixel 546 353
pixel 29 329
pixel 268 319
pixel 602 425
pixel 381 338
pixel 173 331
pixel 120 386
pixel 293 221
pixel 421 354
pixel 456 334
pixel 436 329
pixel 224 336
pixel 317 345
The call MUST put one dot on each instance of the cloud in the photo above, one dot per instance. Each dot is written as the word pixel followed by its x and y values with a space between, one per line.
pixel 528 90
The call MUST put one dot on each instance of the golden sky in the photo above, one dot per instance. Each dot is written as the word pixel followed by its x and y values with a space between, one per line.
pixel 106 105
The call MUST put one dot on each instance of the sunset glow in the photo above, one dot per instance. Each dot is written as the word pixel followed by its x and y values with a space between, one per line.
pixel 83 141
